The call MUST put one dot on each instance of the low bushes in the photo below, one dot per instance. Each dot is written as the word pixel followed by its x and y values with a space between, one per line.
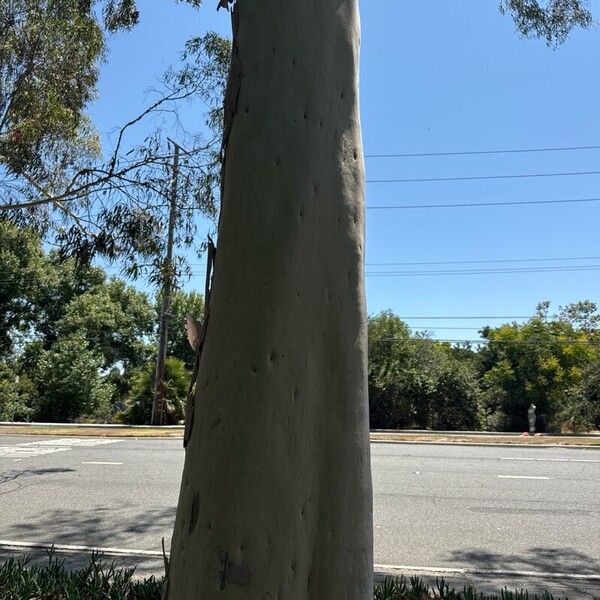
pixel 20 580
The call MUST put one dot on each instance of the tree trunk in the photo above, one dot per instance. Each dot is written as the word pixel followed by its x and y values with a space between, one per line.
pixel 276 499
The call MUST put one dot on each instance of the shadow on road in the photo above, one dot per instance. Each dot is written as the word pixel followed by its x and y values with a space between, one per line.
pixel 118 525
pixel 15 474
pixel 547 560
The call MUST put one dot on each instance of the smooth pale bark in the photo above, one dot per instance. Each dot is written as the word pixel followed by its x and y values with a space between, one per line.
pixel 276 499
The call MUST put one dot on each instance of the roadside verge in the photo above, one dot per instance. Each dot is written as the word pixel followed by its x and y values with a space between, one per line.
pixel 476 438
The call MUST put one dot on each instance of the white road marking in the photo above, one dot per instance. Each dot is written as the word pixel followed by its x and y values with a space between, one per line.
pixel 476 571
pixel 584 460
pixel 521 477
pixel 378 567
pixel 81 442
pixel 71 548
pixel 97 462
pixel 21 452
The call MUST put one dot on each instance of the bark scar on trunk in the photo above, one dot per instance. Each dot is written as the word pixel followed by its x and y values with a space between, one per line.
pixel 232 573
pixel 189 407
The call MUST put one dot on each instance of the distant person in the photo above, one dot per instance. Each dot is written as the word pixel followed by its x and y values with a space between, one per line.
pixel 531 417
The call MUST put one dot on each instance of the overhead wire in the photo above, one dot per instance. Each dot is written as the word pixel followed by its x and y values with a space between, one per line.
pixel 503 271
pixel 483 152
pixel 478 204
pixel 484 177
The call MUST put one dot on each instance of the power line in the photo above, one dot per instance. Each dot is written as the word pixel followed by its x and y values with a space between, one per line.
pixel 484 271
pixel 470 317
pixel 480 152
pixel 484 177
pixel 482 341
pixel 464 262
pixel 502 271
pixel 471 204
pixel 482 261
pixel 436 327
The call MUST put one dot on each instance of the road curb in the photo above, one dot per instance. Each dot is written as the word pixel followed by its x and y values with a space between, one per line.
pixel 487 445
pixel 380 570
pixel 397 570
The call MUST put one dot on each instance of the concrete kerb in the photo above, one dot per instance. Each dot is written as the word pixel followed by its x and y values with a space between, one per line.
pixel 381 570
pixel 89 425
pixel 487 445
pixel 592 434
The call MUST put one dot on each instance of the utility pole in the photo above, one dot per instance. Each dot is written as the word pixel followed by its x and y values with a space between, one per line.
pixel 158 405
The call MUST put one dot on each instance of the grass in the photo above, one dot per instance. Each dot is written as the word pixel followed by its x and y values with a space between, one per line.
pixel 440 438
pixel 97 431
pixel 20 580
pixel 399 436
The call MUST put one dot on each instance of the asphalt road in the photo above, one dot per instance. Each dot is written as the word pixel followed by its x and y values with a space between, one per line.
pixel 435 507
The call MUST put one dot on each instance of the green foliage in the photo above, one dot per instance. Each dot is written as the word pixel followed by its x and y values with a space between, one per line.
pixel 115 320
pixel 139 399
pixel 20 580
pixel 552 20
pixel 417 382
pixel 69 383
pixel 416 589
pixel 17 393
pixel 20 271
pixel 182 304
pixel 541 362
pixel 58 282
pixel 48 55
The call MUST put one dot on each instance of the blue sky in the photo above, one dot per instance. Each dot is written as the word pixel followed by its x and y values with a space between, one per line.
pixel 439 77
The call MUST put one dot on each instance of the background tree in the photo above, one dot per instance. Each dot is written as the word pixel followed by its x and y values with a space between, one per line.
pixel 115 319
pixel 20 274
pixel 139 397
pixel 69 383
pixel 540 362
pixel 551 20
pixel 52 173
pixel 184 303
pixel 416 382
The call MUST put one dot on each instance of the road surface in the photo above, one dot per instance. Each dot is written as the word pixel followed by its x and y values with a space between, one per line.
pixel 486 509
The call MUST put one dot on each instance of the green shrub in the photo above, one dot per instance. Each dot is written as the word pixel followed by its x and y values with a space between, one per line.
pixel 102 581
pixel 141 393
pixel 16 394
pixel 415 589
pixel 69 383
pixel 97 581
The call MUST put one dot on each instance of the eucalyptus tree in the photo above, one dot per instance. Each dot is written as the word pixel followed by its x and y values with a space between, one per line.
pixel 276 500
pixel 276 492
pixel 53 173
pixel 552 20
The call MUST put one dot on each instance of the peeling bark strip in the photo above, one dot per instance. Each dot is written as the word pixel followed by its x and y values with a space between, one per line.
pixel 276 481
pixel 199 343
pixel 232 92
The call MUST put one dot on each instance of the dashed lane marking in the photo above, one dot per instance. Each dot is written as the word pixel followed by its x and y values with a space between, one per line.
pixel 98 462
pixel 522 477
pixel 582 460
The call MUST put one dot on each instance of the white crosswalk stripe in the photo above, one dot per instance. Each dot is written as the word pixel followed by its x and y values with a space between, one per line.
pixel 43 447
pixel 81 442
pixel 22 452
